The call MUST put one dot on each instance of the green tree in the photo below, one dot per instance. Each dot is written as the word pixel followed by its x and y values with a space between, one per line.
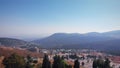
pixel 76 64
pixel 29 61
pixel 46 63
pixel 100 63
pixel 14 61
pixel 107 63
pixel 68 66
pixel 94 64
pixel 56 63
pixel 59 62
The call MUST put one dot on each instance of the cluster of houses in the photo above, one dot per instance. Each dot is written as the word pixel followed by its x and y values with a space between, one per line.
pixel 84 55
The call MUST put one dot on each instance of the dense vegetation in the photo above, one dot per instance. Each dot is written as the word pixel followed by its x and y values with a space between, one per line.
pixel 16 61
pixel 99 63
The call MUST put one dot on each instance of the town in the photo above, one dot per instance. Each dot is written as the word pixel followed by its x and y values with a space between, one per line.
pixel 84 56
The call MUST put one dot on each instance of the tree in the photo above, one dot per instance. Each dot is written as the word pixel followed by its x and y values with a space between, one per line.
pixel 68 66
pixel 59 62
pixel 107 63
pixel 83 63
pixel 14 61
pixel 99 63
pixel 94 64
pixel 46 62
pixel 29 61
pixel 76 64
pixel 55 63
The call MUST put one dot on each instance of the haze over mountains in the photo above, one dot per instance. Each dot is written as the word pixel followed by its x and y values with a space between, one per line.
pixel 62 39
pixel 107 41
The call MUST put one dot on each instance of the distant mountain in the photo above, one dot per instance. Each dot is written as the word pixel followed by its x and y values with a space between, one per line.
pixel 61 39
pixel 101 41
pixel 12 42
pixel 107 41
pixel 111 46
pixel 114 34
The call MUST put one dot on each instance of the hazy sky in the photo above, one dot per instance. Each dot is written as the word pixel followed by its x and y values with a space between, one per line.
pixel 33 18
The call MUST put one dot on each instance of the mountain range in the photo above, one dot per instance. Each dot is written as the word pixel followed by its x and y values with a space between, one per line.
pixel 106 41
pixel 62 39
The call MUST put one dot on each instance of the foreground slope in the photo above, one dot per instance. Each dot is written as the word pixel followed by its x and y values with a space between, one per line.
pixel 7 51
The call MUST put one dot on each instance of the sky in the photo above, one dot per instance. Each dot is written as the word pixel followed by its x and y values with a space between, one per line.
pixel 38 18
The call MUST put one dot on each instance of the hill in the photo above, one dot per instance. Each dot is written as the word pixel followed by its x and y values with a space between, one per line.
pixel 60 39
pixel 107 41
pixel 12 42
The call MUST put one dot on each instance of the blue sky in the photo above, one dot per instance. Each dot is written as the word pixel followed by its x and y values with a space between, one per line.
pixel 37 18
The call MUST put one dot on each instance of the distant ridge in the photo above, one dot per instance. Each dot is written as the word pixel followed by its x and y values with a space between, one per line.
pixel 12 42
pixel 109 41
pixel 76 38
